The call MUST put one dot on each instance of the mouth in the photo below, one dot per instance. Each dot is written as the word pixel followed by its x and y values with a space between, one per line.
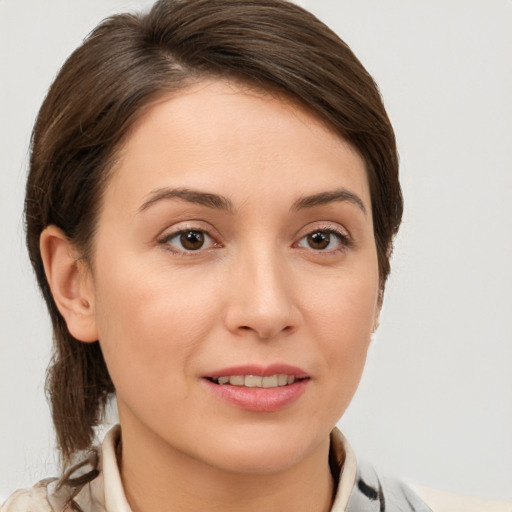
pixel 256 381
pixel 259 388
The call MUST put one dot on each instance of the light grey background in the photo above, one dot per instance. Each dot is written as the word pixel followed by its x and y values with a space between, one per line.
pixel 435 404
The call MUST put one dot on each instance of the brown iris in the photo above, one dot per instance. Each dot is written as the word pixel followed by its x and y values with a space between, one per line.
pixel 319 240
pixel 192 240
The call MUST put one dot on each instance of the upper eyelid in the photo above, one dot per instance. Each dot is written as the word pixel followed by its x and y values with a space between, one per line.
pixel 323 226
pixel 188 225
pixel 173 234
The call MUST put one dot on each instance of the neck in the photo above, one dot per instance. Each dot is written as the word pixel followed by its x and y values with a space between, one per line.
pixel 157 477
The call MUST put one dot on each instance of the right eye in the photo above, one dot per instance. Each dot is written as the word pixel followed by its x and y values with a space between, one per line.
pixel 188 240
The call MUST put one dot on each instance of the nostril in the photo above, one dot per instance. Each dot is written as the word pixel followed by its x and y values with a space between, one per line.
pixel 267 333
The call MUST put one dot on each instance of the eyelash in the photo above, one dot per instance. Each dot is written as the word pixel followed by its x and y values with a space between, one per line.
pixel 344 241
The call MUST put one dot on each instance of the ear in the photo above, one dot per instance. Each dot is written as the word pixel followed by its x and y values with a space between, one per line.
pixel 70 282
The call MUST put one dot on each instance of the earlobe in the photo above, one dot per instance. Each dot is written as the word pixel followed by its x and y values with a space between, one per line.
pixel 70 283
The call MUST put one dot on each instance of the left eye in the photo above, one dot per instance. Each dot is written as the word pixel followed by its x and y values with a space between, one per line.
pixel 322 240
pixel 189 240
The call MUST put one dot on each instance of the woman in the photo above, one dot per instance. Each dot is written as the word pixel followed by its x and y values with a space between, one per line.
pixel 210 211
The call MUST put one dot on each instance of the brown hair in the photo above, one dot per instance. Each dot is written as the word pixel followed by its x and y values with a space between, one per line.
pixel 125 64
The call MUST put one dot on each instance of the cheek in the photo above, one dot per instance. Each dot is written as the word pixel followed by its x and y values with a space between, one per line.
pixel 345 307
pixel 150 321
pixel 343 317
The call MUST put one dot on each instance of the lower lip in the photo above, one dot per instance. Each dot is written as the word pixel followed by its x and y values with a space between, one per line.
pixel 259 399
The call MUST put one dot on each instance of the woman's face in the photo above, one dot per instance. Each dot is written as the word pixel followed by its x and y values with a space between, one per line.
pixel 235 249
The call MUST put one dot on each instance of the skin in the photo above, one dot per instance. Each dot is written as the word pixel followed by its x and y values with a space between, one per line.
pixel 258 291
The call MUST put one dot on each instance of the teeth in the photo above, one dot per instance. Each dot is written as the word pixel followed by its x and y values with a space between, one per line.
pixel 269 382
pixel 255 381
pixel 237 380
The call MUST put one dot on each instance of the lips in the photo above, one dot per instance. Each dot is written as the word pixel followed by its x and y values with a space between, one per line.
pixel 257 388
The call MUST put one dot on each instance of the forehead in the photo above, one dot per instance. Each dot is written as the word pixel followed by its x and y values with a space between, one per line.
pixel 227 135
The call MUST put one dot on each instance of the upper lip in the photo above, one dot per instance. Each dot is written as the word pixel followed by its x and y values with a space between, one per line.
pixel 260 370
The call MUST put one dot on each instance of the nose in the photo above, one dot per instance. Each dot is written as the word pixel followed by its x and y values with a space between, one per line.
pixel 262 298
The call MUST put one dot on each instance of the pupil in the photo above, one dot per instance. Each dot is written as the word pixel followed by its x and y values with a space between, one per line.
pixel 192 240
pixel 319 240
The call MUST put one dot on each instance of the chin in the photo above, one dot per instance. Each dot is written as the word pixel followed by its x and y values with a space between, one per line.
pixel 262 462
pixel 264 451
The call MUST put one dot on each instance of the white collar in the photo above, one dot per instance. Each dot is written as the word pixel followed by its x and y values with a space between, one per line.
pixel 115 499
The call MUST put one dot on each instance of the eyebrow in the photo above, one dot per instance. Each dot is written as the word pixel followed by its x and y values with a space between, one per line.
pixel 219 202
pixel 323 198
pixel 208 199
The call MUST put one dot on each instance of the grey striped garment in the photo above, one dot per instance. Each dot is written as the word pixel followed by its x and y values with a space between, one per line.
pixel 372 493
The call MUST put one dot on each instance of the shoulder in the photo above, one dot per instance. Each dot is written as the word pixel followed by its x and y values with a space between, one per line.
pixel 373 492
pixel 441 501
pixel 82 487
pixel 76 487
pixel 34 499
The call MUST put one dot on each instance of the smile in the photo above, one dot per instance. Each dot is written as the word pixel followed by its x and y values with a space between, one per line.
pixel 258 393
pixel 255 381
